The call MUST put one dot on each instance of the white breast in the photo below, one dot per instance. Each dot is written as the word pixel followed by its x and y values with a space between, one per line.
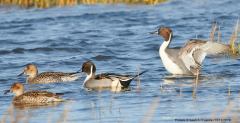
pixel 116 83
pixel 88 76
pixel 171 66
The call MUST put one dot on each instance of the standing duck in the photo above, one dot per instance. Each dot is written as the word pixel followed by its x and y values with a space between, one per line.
pixel 188 59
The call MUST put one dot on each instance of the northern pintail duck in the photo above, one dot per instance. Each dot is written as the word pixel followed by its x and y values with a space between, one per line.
pixel 189 58
pixel 105 79
pixel 47 77
pixel 33 96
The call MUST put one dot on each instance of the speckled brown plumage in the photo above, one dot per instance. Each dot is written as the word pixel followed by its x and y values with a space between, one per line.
pixel 37 97
pixel 47 77
pixel 32 96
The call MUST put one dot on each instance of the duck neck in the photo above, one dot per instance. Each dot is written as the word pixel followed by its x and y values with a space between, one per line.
pixel 166 43
pixel 29 79
pixel 34 74
pixel 19 92
pixel 89 76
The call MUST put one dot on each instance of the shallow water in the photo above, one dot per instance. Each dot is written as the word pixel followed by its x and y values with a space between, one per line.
pixel 116 39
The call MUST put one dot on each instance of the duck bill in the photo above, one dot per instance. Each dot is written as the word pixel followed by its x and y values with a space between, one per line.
pixel 80 71
pixel 22 74
pixel 9 91
pixel 155 32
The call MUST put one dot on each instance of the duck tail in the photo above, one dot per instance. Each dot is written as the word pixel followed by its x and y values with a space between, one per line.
pixel 126 82
pixel 141 73
pixel 59 94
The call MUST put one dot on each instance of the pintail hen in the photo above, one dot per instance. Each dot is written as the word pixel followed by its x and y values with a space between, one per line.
pixel 33 96
pixel 105 79
pixel 47 77
pixel 188 59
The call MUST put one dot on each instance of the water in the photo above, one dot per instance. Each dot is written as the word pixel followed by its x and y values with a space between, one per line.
pixel 116 39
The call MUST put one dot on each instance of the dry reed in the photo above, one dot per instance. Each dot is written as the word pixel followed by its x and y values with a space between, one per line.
pixel 66 112
pixel 214 25
pixel 234 49
pixel 99 94
pixel 234 119
pixel 27 117
pixel 174 91
pixel 63 116
pixel 235 46
pixel 194 93
pixel 148 115
pixel 171 94
pixel 115 93
pixel 105 106
pixel 112 98
pixel 227 111
pixel 180 91
pixel 11 116
pixel 54 3
pixel 195 86
pixel 161 89
pixel 138 80
pixel 218 40
pixel 228 94
pixel 19 116
pixel 6 115
pixel 93 108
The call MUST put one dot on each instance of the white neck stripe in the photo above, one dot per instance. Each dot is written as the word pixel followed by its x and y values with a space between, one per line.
pixel 89 76
pixel 170 37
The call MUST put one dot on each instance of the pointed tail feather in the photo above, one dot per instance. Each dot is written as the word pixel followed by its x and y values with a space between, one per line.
pixel 126 82
pixel 59 94
pixel 141 73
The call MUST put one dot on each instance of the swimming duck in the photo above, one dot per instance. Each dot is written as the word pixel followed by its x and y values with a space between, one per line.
pixel 105 79
pixel 47 77
pixel 188 59
pixel 33 96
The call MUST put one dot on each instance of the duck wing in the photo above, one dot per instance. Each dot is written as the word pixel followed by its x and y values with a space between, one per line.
pixel 111 76
pixel 48 77
pixel 125 80
pixel 194 51
pixel 173 55
pixel 37 96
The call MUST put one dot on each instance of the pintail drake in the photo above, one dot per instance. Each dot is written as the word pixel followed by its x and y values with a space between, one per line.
pixel 105 79
pixel 189 58
pixel 47 77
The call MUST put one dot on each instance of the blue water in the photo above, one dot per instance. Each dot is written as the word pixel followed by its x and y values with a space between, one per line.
pixel 116 39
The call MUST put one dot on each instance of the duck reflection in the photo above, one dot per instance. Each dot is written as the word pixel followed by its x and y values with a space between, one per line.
pixel 113 89
pixel 189 81
pixel 24 106
pixel 204 81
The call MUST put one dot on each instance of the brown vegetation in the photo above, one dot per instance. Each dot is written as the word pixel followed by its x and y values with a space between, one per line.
pixel 54 3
